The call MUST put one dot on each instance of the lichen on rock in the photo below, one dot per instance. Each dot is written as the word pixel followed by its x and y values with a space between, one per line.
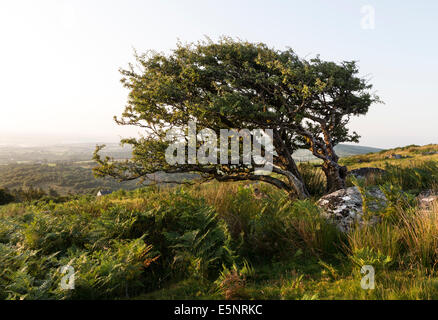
pixel 345 207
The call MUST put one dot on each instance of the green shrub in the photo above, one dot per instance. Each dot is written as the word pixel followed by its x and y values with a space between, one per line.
pixel 103 239
pixel 117 271
pixel 275 227
pixel 231 282
pixel 314 233
pixel 369 256
pixel 186 233
pixel 52 232
pixel 24 274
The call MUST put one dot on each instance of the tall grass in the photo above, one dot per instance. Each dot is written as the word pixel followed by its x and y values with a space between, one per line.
pixel 384 238
pixel 419 231
pixel 413 176
pixel 271 226
pixel 131 242
pixel 314 179
pixel 410 237
pixel 416 176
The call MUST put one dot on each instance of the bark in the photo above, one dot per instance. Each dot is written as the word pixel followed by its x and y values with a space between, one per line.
pixel 297 185
pixel 335 175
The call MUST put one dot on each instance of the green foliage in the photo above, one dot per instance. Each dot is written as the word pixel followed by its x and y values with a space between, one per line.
pixel 385 238
pixel 34 181
pixel 117 271
pixel 369 256
pixel 25 274
pixel 233 84
pixel 419 232
pixel 52 233
pixel 313 178
pixel 396 198
pixel 312 231
pixel 110 244
pixel 274 227
pixel 231 282
pixel 198 242
pixel 184 230
pixel 109 273
pixel 414 177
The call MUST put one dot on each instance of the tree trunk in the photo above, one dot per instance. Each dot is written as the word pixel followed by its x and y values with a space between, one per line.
pixel 335 175
pixel 301 190
pixel 296 184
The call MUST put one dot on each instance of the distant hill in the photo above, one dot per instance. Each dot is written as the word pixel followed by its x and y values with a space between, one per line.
pixel 346 150
pixel 84 152
pixel 405 154
pixel 60 152
pixel 70 177
pixel 343 150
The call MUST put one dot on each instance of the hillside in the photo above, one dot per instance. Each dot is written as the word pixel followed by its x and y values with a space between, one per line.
pixel 222 241
pixel 398 156
pixel 60 152
pixel 84 152
pixel 343 150
pixel 69 178
pixel 67 168
pixel 65 178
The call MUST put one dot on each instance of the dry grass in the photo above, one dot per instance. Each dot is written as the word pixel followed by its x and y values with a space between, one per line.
pixel 384 238
pixel 412 154
pixel 218 194
pixel 411 237
pixel 420 235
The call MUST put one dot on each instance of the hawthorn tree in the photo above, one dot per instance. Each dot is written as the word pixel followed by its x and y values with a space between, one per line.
pixel 334 94
pixel 239 85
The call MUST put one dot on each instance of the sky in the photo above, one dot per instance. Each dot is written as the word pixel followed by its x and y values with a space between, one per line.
pixel 59 60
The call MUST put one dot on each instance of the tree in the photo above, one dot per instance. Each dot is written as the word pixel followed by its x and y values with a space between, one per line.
pixel 236 85
pixel 335 94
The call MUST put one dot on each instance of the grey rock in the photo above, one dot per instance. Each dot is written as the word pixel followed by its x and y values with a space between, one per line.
pixel 344 207
pixel 397 156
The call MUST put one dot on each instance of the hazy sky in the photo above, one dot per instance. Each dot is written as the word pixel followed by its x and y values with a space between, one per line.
pixel 59 60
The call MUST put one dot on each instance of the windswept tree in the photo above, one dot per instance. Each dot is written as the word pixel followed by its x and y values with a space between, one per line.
pixel 333 93
pixel 239 85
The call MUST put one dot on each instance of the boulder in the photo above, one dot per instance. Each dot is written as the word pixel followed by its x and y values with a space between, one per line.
pixel 344 207
pixel 427 198
pixel 365 172
pixel 395 156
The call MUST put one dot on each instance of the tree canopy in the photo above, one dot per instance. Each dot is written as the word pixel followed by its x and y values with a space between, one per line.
pixel 238 85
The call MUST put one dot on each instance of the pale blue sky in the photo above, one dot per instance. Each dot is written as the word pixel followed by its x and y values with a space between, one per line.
pixel 59 60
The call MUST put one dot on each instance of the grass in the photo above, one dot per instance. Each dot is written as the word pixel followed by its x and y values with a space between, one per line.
pixel 380 159
pixel 220 241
